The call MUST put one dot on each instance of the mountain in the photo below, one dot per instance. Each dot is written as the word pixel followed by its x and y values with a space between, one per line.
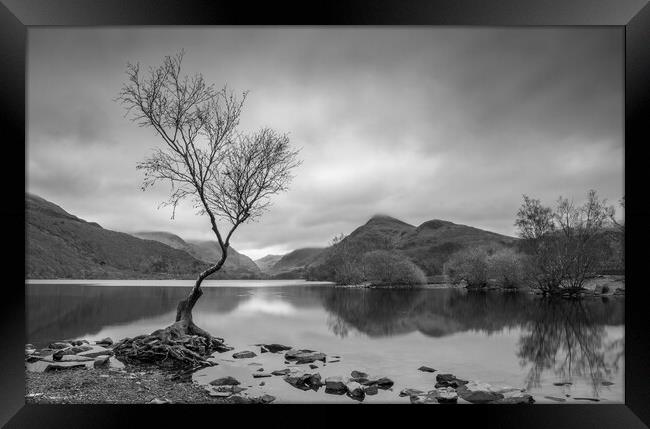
pixel 293 263
pixel 236 266
pixel 61 245
pixel 265 263
pixel 428 245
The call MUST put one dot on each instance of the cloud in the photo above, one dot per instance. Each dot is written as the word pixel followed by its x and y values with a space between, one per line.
pixel 420 123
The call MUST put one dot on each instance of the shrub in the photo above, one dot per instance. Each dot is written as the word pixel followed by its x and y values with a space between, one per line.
pixel 383 267
pixel 469 265
pixel 506 267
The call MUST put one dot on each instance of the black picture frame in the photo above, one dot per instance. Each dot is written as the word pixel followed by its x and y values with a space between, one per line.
pixel 16 16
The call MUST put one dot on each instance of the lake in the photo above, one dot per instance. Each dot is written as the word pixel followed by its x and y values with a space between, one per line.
pixel 512 339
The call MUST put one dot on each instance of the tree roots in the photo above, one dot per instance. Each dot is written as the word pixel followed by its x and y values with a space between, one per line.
pixel 182 345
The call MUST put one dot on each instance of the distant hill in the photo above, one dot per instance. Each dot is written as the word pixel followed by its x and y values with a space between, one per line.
pixel 61 245
pixel 429 245
pixel 266 263
pixel 292 264
pixel 236 265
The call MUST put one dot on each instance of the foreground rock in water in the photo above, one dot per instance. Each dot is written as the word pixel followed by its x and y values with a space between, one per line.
pixel 246 354
pixel 478 393
pixel 305 381
pixel 426 369
pixel 273 348
pixel 225 381
pixel 304 356
pixel 169 348
pixel 335 385
pixel 449 380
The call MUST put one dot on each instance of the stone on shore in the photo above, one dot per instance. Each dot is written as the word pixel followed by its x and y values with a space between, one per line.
pixel 267 399
pixel 225 381
pixel 449 380
pixel 335 385
pixel 305 381
pixel 371 390
pixel 101 361
pixel 246 354
pixel 426 369
pixel 59 345
pixel 411 392
pixel 274 348
pixel 446 395
pixel 281 371
pixel 304 356
pixel 105 342
pixel 355 391
pixel 478 393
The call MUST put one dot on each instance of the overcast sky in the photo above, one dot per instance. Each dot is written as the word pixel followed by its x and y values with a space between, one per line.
pixel 419 123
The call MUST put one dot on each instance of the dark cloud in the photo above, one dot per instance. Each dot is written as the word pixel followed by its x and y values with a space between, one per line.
pixel 421 123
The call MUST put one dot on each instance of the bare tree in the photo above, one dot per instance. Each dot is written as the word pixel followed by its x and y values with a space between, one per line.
pixel 226 174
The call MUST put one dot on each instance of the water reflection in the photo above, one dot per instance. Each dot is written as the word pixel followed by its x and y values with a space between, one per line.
pixel 569 339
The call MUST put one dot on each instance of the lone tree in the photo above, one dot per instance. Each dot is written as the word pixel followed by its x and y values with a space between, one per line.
pixel 228 175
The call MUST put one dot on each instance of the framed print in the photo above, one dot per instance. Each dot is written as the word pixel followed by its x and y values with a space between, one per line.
pixel 368 203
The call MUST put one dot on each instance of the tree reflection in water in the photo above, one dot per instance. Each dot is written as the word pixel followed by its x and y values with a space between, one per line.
pixel 569 338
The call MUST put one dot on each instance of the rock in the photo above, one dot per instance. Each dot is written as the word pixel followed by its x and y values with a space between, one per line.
pixel 334 361
pixel 80 349
pixel 78 342
pixel 523 399
pixel 446 395
pixel 101 361
pixel 267 399
pixel 261 374
pixel 59 345
pixel 335 385
pixel 274 348
pixel 562 383
pixel 96 351
pixel 281 371
pixel 449 380
pixel 371 390
pixel 105 342
pixel 384 383
pixel 246 354
pixel 160 401
pixel 312 366
pixel 225 381
pixel 358 374
pixel 477 393
pixel 262 383
pixel 411 392
pixel 554 398
pixel 304 356
pixel 426 369
pixel 260 370
pixel 263 350
pixel 606 383
pixel 355 391
pixel 423 399
pixel 305 381
pixel 75 358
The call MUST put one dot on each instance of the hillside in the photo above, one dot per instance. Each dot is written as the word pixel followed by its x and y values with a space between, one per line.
pixel 61 245
pixel 293 263
pixel 266 263
pixel 236 265
pixel 428 245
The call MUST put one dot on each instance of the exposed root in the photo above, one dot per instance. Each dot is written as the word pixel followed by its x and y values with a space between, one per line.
pixel 182 345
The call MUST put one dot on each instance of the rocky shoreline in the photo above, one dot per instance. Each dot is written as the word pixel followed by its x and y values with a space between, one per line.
pixel 80 372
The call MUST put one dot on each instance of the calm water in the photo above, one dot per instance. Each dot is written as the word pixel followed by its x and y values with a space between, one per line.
pixel 499 338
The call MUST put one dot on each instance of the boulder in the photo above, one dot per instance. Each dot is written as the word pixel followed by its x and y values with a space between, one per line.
pixel 105 342
pixel 449 380
pixel 261 374
pixel 411 392
pixel 371 390
pixel 335 385
pixel 426 369
pixel 267 399
pixel 101 361
pixel 355 391
pixel 305 381
pixel 358 374
pixel 274 348
pixel 59 345
pixel 304 356
pixel 446 395
pixel 477 393
pixel 246 354
pixel 281 371
pixel 225 381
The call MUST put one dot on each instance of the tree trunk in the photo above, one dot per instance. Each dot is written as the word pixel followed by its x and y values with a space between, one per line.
pixel 184 310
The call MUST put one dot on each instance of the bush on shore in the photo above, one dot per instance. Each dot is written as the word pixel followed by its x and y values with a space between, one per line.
pixel 383 267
